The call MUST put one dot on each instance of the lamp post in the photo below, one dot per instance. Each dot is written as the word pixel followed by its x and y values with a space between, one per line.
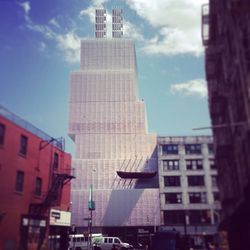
pixel 91 207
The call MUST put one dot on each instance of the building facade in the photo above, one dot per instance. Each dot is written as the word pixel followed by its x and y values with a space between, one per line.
pixel 115 154
pixel 226 35
pixel 189 196
pixel 34 187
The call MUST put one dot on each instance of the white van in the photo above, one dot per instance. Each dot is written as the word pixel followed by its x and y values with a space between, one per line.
pixel 106 243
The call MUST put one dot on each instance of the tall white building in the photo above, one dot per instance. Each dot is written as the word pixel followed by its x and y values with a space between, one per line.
pixel 114 151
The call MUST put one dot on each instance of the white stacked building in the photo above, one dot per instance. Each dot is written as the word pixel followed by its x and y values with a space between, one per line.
pixel 114 151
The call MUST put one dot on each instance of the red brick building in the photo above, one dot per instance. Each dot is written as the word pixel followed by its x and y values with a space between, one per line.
pixel 34 186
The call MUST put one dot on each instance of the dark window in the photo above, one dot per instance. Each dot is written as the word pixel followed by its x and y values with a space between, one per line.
pixel 170 165
pixel 173 198
pixel 56 161
pixel 197 197
pixel 196 180
pixel 193 149
pixel 19 181
pixel 23 145
pixel 172 181
pixel 174 217
pixel 214 180
pixel 38 188
pixel 212 164
pixel 216 196
pixel 194 164
pixel 2 133
pixel 199 216
pixel 210 149
pixel 170 149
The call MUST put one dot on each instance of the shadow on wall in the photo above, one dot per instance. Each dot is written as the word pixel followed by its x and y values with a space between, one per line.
pixel 120 206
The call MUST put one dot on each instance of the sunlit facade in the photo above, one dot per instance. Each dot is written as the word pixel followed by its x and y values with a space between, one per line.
pixel 107 123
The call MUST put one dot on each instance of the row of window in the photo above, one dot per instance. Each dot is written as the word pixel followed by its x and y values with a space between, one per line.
pixel 192 180
pixel 195 164
pixel 20 183
pixel 189 149
pixel 194 217
pixel 194 197
pixel 23 146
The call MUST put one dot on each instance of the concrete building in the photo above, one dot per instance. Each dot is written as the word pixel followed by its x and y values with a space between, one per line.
pixel 226 36
pixel 34 187
pixel 115 154
pixel 189 198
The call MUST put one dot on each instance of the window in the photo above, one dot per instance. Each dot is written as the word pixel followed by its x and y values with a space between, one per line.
pixel 196 180
pixel 55 161
pixel 174 217
pixel 216 196
pixel 172 181
pixel 2 133
pixel 170 165
pixel 194 164
pixel 23 145
pixel 193 149
pixel 38 187
pixel 210 149
pixel 214 180
pixel 212 164
pixel 170 149
pixel 19 181
pixel 197 197
pixel 199 216
pixel 173 198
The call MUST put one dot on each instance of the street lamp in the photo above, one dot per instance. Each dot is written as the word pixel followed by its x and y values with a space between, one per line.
pixel 91 207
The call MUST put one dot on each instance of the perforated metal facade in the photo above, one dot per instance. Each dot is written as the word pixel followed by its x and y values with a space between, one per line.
pixel 107 122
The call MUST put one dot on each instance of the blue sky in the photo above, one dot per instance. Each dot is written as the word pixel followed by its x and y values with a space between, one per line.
pixel 40 43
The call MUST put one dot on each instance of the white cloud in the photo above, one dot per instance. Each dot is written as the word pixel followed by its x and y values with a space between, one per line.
pixel 68 43
pixel 196 87
pixel 26 7
pixel 178 24
pixel 54 22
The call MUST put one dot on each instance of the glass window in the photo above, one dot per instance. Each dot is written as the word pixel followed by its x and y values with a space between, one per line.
pixel 214 180
pixel 19 181
pixel 193 149
pixel 197 197
pixel 210 149
pixel 110 240
pixel 196 180
pixel 38 187
pixel 173 198
pixel 172 181
pixel 170 165
pixel 174 217
pixel 216 196
pixel 199 216
pixel 212 164
pixel 55 161
pixel 23 145
pixel 194 164
pixel 170 149
pixel 2 134
pixel 117 241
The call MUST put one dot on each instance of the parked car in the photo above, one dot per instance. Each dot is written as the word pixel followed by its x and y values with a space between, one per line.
pixel 107 243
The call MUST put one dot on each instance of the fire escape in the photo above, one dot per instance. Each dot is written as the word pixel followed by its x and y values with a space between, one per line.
pixel 57 179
